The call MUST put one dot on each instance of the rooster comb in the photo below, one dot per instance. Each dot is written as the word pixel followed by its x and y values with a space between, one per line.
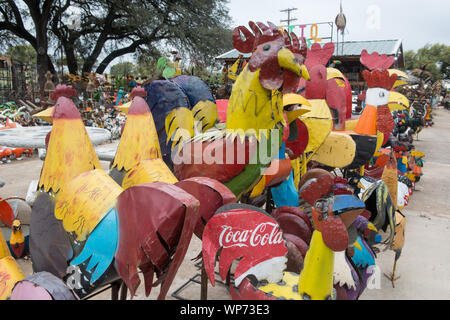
pixel 63 90
pixel 319 55
pixel 379 79
pixel 245 41
pixel 138 92
pixel 376 61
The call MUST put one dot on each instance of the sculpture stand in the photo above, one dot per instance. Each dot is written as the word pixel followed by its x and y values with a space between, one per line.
pixel 202 280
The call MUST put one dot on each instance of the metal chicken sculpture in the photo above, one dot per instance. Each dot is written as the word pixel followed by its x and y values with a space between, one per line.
pixel 235 229
pixel 95 232
pixel 255 110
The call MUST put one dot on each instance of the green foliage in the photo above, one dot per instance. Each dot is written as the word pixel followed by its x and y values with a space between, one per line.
pixel 121 69
pixel 22 53
pixel 109 29
pixel 433 58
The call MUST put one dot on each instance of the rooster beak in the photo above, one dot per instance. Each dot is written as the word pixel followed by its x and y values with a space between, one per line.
pixel 397 101
pixel 45 115
pixel 372 227
pixel 305 73
pixel 287 60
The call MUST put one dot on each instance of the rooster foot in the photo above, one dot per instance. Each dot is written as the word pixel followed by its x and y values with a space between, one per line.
pixel 392 278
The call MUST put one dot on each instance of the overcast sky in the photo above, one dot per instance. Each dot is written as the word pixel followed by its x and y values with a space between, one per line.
pixel 416 22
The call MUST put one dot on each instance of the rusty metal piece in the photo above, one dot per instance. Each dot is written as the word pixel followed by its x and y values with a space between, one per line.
pixel 295 225
pixel 313 173
pixel 295 211
pixel 156 223
pixel 333 230
pixel 320 187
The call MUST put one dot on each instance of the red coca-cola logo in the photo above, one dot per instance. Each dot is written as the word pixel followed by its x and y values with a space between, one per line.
pixel 264 234
pixel 251 236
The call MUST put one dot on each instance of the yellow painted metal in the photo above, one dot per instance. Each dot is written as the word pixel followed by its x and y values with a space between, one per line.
pixel 411 176
pixel 316 278
pixel 380 139
pixel 124 107
pixel 251 108
pixel 83 202
pixel 139 142
pixel 286 289
pixel 205 112
pixel 372 227
pixel 45 115
pixel 16 235
pixel 397 101
pixel 259 188
pixel 305 73
pixel 232 72
pixel 399 73
pixel 334 73
pixel 337 151
pixel 10 273
pixel 303 165
pixel 287 60
pixel 294 114
pixel 4 250
pixel 151 170
pixel 179 125
pixel 293 98
pixel 319 123
pixel 399 83
pixel 357 245
pixel 69 153
pixel 417 154
pixel 350 125
pixel 296 171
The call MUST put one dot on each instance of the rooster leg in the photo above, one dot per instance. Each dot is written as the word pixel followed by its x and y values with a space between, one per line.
pixel 392 276
pixel 123 291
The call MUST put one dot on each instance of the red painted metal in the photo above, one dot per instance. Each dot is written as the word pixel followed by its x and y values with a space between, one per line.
pixel 212 195
pixel 156 223
pixel 241 233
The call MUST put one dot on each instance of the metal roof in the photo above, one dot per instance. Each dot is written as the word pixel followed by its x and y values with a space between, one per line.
pixel 354 48
pixel 350 48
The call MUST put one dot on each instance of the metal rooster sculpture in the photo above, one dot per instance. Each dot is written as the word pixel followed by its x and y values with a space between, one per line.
pixel 98 232
pixel 255 114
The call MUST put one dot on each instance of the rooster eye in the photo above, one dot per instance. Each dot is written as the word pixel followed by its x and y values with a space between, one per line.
pixel 266 47
pixel 381 94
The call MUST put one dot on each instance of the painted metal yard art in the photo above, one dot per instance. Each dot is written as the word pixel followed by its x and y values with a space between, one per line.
pixel 328 181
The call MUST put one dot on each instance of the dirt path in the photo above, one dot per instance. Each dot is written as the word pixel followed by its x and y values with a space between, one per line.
pixel 425 261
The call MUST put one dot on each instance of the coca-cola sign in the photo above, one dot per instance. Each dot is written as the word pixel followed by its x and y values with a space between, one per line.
pixel 263 234
pixel 249 235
